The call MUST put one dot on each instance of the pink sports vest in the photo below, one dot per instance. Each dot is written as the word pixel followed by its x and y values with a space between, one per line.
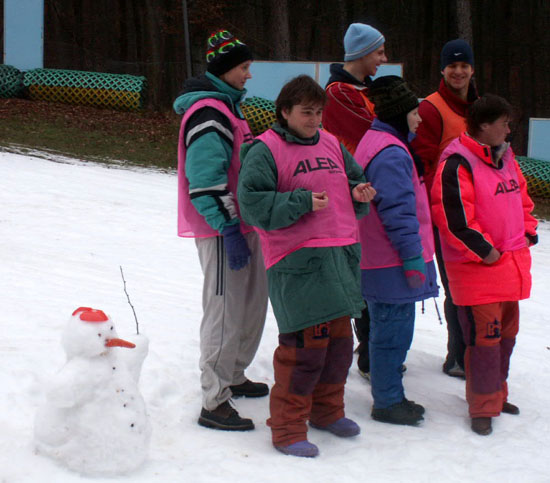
pixel 378 252
pixel 317 168
pixel 498 202
pixel 190 222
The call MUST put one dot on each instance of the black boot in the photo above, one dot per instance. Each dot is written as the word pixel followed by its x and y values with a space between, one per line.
pixel 250 389
pixel 399 413
pixel 482 426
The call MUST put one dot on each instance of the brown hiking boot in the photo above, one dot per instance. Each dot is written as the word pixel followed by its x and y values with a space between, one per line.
pixel 510 408
pixel 482 426
pixel 225 417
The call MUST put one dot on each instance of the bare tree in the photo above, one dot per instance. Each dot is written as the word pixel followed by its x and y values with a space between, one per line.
pixel 280 34
pixel 464 20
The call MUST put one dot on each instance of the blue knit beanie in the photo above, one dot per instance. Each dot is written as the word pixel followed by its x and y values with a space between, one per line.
pixel 456 50
pixel 361 39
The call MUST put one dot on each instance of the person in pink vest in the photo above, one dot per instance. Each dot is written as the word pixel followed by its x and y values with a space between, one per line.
pixel 235 286
pixel 481 207
pixel 302 190
pixel 397 245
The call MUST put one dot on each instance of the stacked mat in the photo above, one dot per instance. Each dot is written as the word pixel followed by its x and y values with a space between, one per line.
pixel 116 91
pixel 259 114
pixel 11 81
pixel 537 175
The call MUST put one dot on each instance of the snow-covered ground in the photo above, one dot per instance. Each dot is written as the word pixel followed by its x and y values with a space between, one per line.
pixel 66 227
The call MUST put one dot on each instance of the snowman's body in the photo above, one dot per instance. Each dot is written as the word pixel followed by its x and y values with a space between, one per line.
pixel 94 420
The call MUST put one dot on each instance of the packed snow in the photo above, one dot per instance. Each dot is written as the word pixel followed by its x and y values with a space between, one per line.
pixel 66 228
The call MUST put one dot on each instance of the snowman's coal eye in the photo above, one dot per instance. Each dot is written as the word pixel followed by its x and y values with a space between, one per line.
pixel 99 335
pixel 111 327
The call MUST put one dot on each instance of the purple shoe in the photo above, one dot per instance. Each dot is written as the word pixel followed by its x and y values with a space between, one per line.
pixel 344 427
pixel 301 448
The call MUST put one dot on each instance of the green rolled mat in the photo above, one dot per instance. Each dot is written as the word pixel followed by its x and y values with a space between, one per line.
pixel 537 175
pixel 11 81
pixel 116 91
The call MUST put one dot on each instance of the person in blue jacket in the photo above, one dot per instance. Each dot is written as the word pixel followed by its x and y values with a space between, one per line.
pixel 397 245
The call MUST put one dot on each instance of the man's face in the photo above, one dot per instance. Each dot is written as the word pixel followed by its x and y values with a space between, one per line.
pixel 457 75
pixel 372 61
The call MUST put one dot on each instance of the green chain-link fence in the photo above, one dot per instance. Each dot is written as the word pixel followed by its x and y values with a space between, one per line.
pixel 122 92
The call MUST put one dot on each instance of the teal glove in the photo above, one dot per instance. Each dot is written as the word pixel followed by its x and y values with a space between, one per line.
pixel 415 271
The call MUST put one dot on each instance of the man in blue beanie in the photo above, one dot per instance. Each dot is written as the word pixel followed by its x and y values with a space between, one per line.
pixel 443 116
pixel 349 113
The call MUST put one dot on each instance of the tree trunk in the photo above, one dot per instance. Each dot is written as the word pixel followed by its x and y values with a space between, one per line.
pixel 280 35
pixel 464 20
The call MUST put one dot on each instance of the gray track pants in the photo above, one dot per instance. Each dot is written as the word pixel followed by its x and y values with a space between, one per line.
pixel 234 304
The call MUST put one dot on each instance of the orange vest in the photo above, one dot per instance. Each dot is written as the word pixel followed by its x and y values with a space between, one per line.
pixel 453 124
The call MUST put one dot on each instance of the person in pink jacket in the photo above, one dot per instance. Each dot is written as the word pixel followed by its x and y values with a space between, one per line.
pixel 481 207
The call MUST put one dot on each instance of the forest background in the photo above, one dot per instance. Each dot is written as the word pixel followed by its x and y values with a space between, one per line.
pixel 510 39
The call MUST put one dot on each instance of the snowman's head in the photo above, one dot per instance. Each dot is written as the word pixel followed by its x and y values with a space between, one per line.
pixel 90 333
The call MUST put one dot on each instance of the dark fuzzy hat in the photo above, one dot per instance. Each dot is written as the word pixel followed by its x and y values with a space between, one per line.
pixel 391 97
pixel 456 50
pixel 224 52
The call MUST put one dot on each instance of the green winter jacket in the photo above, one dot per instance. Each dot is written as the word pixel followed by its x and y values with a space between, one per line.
pixel 311 285
pixel 209 154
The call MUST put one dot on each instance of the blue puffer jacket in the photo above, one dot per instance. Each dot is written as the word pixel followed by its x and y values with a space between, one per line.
pixel 390 173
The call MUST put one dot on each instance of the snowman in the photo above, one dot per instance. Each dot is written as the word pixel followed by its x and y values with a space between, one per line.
pixel 94 420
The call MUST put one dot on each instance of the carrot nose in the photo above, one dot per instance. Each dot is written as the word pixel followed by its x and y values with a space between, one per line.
pixel 119 343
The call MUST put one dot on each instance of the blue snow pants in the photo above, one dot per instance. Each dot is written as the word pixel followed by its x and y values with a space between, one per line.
pixel 391 334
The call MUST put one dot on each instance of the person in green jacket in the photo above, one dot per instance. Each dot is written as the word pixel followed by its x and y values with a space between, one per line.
pixel 234 296
pixel 303 192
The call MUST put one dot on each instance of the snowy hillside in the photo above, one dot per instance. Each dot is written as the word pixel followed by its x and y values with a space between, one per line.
pixel 66 227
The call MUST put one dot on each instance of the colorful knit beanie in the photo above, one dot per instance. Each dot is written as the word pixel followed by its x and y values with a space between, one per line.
pixel 224 52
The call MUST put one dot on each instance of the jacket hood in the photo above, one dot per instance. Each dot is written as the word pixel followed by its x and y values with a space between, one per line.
pixel 338 74
pixel 379 125
pixel 207 86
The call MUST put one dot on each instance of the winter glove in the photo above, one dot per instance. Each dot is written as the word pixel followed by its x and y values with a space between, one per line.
pixel 415 271
pixel 238 253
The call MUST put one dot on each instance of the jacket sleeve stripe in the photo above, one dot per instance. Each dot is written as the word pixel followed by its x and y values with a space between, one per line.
pixel 208 126
pixel 456 212
pixel 210 189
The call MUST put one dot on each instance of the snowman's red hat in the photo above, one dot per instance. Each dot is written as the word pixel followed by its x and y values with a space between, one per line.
pixel 87 314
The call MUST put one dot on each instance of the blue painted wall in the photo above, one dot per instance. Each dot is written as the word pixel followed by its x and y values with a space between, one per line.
pixel 539 139
pixel 269 77
pixel 24 33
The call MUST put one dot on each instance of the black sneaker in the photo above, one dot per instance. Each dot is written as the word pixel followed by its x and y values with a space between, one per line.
pixel 225 417
pixel 399 413
pixel 250 389
pixel 414 406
